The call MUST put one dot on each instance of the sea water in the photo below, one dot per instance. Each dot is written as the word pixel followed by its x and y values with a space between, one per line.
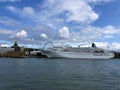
pixel 59 74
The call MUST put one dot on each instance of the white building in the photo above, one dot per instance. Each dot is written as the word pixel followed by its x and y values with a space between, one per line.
pixel 5 49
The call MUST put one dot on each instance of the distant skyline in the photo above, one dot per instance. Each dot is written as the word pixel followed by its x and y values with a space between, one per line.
pixel 34 22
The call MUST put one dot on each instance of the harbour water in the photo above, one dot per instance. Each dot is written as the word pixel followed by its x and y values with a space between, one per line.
pixel 59 74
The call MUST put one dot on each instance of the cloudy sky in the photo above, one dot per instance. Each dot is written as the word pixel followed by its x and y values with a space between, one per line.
pixel 34 22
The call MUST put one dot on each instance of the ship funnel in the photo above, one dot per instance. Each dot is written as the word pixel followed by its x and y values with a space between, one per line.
pixel 93 45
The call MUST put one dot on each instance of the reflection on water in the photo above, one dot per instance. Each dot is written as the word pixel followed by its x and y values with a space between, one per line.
pixel 59 74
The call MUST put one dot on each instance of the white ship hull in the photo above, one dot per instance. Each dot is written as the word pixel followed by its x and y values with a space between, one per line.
pixel 57 54
pixel 78 52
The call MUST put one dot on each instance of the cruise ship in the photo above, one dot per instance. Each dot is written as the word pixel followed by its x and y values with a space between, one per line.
pixel 78 52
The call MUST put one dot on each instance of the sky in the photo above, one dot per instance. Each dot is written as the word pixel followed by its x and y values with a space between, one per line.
pixel 32 23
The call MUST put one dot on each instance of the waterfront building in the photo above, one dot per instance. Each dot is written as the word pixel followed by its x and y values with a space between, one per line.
pixel 3 50
pixel 14 51
pixel 16 47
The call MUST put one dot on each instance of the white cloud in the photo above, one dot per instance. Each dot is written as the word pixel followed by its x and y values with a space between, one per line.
pixel 28 11
pixel 43 36
pixel 20 35
pixel 10 0
pixel 111 30
pixel 73 11
pixel 94 33
pixel 89 34
pixel 106 45
pixel 12 9
pixel 64 32
pixel 4 45
pixel 115 46
pixel 58 13
pixel 10 22
pixel 24 12
pixel 103 45
pixel 108 36
pixel 99 0
pixel 79 11
pixel 2 31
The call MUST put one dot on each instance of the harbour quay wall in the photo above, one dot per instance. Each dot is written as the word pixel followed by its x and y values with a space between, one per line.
pixel 13 54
